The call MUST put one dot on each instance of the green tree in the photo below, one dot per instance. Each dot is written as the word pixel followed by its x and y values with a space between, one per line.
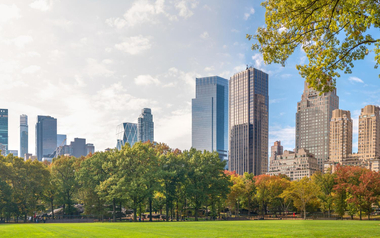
pixel 326 184
pixel 333 34
pixel 302 193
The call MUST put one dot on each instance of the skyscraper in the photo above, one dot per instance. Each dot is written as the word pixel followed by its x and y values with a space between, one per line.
pixel 145 126
pixel 276 149
pixel 4 131
pixel 126 132
pixel 248 122
pixel 369 132
pixel 61 140
pixel 313 117
pixel 90 148
pixel 78 147
pixel 210 115
pixel 340 136
pixel 24 135
pixel 46 136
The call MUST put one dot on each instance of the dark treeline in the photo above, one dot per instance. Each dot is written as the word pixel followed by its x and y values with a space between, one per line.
pixel 152 178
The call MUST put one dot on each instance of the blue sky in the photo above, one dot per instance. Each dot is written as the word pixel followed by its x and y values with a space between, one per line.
pixel 95 64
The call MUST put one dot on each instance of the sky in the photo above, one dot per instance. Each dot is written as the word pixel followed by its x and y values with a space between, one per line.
pixel 95 64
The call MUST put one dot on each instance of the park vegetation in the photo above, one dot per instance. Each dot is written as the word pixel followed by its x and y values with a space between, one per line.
pixel 153 178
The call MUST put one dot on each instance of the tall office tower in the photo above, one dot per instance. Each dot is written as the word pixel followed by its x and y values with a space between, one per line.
pixel 4 131
pixel 126 132
pixel 210 115
pixel 90 148
pixel 248 122
pixel 78 147
pixel 46 136
pixel 61 140
pixel 313 117
pixel 145 126
pixel 340 136
pixel 369 133
pixel 23 135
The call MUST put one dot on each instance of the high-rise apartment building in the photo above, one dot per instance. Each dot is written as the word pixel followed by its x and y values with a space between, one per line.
pixel 4 131
pixel 210 115
pixel 145 126
pixel 126 133
pixel 46 136
pixel 340 136
pixel 248 122
pixel 369 133
pixel 276 149
pixel 24 135
pixel 313 117
pixel 90 148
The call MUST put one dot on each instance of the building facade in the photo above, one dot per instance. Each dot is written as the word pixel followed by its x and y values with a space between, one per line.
pixel 126 133
pixel 340 136
pixel 276 149
pixel 313 118
pixel 90 148
pixel 294 165
pixel 248 122
pixel 145 126
pixel 210 115
pixel 24 135
pixel 46 136
pixel 61 140
pixel 369 133
pixel 13 152
pixel 4 131
pixel 78 147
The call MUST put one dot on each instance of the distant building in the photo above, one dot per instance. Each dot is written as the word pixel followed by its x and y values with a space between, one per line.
pixel 210 115
pixel 369 132
pixel 276 149
pixel 61 140
pixel 313 118
pixel 4 131
pixel 145 126
pixel 78 147
pixel 294 165
pixel 27 156
pixel 90 148
pixel 126 133
pixel 248 122
pixel 13 152
pixel 340 136
pixel 24 135
pixel 46 136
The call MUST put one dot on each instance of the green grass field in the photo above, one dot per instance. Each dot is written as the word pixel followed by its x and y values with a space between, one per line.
pixel 268 228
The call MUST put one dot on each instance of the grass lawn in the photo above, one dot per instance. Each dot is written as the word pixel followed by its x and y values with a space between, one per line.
pixel 268 228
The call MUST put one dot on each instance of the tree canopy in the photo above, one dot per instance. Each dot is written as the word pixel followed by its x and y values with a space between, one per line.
pixel 333 34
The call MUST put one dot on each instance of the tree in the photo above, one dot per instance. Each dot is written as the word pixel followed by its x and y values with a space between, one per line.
pixel 277 185
pixel 302 192
pixel 262 191
pixel 326 184
pixel 333 34
pixel 237 189
pixel 249 192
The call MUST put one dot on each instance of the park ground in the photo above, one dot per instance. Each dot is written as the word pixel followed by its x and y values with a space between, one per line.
pixel 266 228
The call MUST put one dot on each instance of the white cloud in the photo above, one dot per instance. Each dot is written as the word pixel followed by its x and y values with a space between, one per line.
pixel 284 134
pixel 21 41
pixel 42 5
pixel 258 61
pixel 94 69
pixel 184 10
pixel 204 35
pixel 140 12
pixel 9 12
pixel 134 45
pixel 276 100
pixel 143 80
pixel 31 69
pixel 282 29
pixel 249 13
pixel 208 69
pixel 355 80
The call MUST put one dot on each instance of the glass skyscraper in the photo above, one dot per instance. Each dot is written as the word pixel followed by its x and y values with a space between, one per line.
pixel 23 135
pixel 126 132
pixel 145 126
pixel 4 131
pixel 248 122
pixel 61 139
pixel 210 115
pixel 46 136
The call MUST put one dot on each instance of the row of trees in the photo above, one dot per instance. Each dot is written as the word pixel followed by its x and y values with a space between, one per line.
pixel 350 189
pixel 143 177
pixel 154 178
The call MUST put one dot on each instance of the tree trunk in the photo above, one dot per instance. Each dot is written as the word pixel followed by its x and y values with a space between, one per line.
pixel 360 213
pixel 135 214
pixel 177 218
pixel 121 211
pixel 352 217
pixel 25 218
pixel 52 207
pixel 114 209
pixel 167 211
pixel 304 211
pixel 150 209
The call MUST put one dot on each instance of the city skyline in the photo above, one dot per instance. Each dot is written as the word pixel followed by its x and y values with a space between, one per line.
pixel 91 69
